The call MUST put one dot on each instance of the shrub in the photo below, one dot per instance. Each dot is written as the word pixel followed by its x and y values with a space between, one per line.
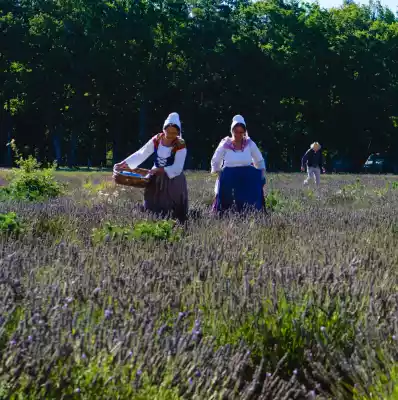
pixel 10 223
pixel 30 181
pixel 274 201
pixel 146 230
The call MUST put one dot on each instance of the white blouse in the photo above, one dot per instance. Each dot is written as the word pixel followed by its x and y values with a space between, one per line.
pixel 148 149
pixel 225 157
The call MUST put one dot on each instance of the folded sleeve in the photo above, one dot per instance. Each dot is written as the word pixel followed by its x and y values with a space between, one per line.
pixel 178 166
pixel 258 159
pixel 218 157
pixel 141 155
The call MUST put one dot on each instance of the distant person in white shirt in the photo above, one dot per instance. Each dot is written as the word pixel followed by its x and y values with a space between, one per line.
pixel 167 191
pixel 241 169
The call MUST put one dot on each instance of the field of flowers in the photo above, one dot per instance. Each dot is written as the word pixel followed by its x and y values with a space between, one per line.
pixel 101 301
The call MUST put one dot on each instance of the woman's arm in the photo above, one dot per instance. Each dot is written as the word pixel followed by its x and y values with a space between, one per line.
pixel 178 166
pixel 305 159
pixel 141 155
pixel 258 159
pixel 218 158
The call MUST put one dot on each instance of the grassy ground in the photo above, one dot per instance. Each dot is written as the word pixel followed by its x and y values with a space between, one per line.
pixel 101 301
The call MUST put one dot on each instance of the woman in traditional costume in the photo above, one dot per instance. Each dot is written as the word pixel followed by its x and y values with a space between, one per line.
pixel 167 191
pixel 241 169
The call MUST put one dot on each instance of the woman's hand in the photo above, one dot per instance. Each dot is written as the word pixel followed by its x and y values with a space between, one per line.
pixel 120 166
pixel 157 171
pixel 302 169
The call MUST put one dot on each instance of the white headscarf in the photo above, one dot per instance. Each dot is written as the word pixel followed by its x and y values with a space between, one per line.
pixel 174 119
pixel 238 119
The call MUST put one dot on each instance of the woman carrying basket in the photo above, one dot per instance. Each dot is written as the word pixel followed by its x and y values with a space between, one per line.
pixel 167 191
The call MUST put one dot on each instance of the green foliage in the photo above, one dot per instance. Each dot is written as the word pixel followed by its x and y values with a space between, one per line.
pixel 109 158
pixel 286 328
pixel 146 230
pixel 394 185
pixel 30 181
pixel 52 226
pixel 94 188
pixel 10 223
pixel 274 201
pixel 386 387
pixel 349 193
pixel 184 49
pixel 96 378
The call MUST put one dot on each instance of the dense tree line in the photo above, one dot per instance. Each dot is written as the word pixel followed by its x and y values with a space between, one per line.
pixel 81 78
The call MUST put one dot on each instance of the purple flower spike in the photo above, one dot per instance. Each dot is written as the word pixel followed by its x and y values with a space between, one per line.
pixel 108 313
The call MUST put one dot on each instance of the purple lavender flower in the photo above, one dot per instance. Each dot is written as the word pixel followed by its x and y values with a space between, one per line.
pixel 139 372
pixel 190 380
pixel 96 290
pixel 13 342
pixel 77 390
pixel 30 338
pixel 295 372
pixel 108 313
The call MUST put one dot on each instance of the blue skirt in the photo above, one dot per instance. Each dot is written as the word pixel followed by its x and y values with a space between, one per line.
pixel 240 188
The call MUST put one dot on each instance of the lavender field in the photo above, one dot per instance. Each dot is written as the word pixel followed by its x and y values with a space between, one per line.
pixel 101 301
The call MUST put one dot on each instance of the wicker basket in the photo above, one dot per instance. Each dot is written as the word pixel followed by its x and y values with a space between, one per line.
pixel 135 181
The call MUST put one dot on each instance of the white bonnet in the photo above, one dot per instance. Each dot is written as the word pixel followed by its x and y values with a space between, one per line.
pixel 173 119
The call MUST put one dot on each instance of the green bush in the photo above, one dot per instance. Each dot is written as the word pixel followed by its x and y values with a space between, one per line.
pixel 286 329
pixel 146 230
pixel 10 223
pixel 30 181
pixel 274 201
pixel 92 379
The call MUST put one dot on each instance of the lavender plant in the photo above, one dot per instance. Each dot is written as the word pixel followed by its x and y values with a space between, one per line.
pixel 296 304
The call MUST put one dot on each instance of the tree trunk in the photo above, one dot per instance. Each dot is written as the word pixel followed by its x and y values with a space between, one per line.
pixel 72 151
pixel 57 145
